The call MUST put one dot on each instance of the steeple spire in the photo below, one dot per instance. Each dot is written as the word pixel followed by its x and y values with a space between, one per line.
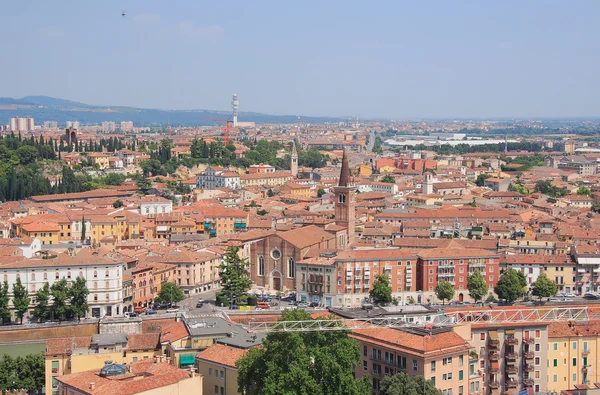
pixel 345 172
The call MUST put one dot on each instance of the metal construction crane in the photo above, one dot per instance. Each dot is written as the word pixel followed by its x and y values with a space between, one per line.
pixel 226 128
pixel 489 317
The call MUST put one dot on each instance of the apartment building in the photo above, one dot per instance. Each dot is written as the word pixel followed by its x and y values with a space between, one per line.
pixel 573 352
pixel 267 178
pixel 196 271
pixel 220 220
pixel 438 354
pixel 213 178
pixel 217 365
pixel 103 275
pixel 317 281
pixel 152 205
pixel 454 263
pixel 558 268
pixel 511 357
pixel 69 355
pixel 357 270
pixel 587 258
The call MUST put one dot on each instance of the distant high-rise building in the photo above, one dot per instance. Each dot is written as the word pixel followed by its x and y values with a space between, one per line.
pixel 50 125
pixel 235 104
pixel 21 124
pixel 108 126
pixel 127 126
pixel 570 147
pixel 73 124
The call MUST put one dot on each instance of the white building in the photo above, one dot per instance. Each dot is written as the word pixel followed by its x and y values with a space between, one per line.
pixel 73 124
pixel 28 246
pixel 103 275
pixel 379 187
pixel 21 124
pixel 151 205
pixel 212 179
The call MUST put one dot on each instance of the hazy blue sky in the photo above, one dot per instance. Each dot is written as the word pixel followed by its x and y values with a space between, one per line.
pixel 366 58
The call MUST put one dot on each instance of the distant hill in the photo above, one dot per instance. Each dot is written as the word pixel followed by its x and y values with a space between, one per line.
pixel 44 108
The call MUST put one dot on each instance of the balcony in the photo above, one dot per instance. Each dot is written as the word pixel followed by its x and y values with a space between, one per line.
pixel 357 278
pixel 367 276
pixel 511 383
pixel 580 270
pixel 54 370
pixel 387 268
pixel 512 370
pixel 511 341
pixel 511 356
pixel 529 340
pixel 494 356
pixel 529 355
pixel 494 385
pixel 528 382
pixel 528 367
pixel 494 369
pixel 494 343
pixel 585 351
pixel 584 369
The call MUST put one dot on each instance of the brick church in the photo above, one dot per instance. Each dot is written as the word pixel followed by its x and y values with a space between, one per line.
pixel 273 259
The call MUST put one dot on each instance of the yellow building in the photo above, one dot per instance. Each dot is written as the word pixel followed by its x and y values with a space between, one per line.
pixel 78 354
pixel 217 365
pixel 271 178
pixel 151 377
pixel 387 169
pixel 100 159
pixel 364 170
pixel 297 190
pixel 47 232
pixel 121 226
pixel 572 355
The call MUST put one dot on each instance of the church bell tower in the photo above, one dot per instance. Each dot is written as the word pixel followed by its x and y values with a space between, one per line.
pixel 344 201
pixel 294 164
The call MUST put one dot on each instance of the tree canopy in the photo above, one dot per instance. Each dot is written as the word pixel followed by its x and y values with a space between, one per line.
pixel 382 291
pixel 234 275
pixel 547 188
pixel 78 293
pixel 404 384
pixel 42 298
pixel 543 287
pixel 19 373
pixel 388 178
pixel 477 286
pixel 315 363
pixel 444 291
pixel 21 299
pixel 170 293
pixel 510 285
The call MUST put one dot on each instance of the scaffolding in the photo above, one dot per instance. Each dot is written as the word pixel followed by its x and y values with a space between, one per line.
pixel 451 318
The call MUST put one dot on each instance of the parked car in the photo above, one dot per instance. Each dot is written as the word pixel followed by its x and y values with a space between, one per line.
pixel 554 299
pixel 139 310
pixel 130 314
pixel 262 306
pixel 571 295
pixel 590 296
pixel 303 305
pixel 173 309
pixel 199 304
pixel 313 304
pixel 568 300
pixel 561 295
pixel 164 305
pixel 150 312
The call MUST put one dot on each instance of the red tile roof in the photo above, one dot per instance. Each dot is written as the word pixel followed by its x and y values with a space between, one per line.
pixel 222 354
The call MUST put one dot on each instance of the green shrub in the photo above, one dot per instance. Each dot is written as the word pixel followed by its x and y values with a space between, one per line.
pixel 252 300
pixel 222 301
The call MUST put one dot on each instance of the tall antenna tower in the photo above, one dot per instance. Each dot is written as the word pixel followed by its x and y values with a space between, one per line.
pixel 235 104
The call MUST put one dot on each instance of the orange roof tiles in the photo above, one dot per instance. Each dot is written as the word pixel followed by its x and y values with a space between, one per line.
pixel 222 354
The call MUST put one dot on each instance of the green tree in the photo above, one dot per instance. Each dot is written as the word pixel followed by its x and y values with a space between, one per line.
pixel 477 286
pixel 543 287
pixel 382 291
pixel 388 178
pixel 42 299
pixel 4 299
pixel 21 299
pixel 270 193
pixel 510 285
pixel 444 291
pixel 404 384
pixel 320 192
pixel 234 275
pixel 583 191
pixel 170 293
pixel 78 294
pixel 315 363
pixel 117 203
pixel 519 188
pixel 481 179
pixel 60 297
pixel 83 229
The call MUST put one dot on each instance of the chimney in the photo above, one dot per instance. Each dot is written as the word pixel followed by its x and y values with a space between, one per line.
pixel 92 385
pixel 168 359
pixel 156 359
pixel 193 372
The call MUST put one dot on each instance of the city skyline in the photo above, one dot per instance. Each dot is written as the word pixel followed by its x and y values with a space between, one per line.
pixel 399 61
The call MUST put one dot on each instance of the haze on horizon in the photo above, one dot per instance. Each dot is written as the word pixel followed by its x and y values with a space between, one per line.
pixel 457 59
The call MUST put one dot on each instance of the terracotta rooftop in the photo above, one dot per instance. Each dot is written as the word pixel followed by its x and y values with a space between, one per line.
pixel 222 354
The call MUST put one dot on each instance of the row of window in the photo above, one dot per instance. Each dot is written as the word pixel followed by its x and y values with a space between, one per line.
pixel 291 266
pixel 57 275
